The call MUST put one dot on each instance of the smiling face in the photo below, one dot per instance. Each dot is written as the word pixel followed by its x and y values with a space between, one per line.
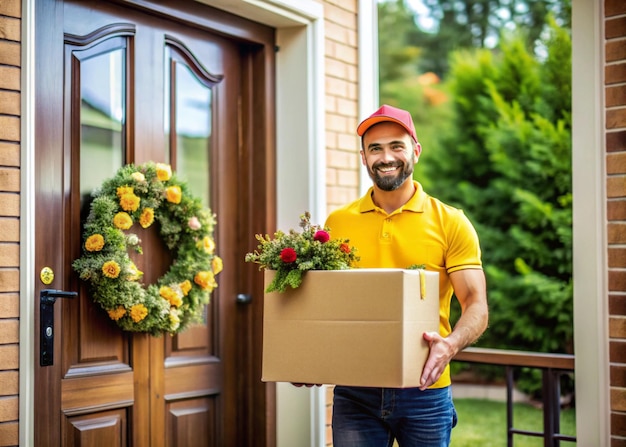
pixel 389 154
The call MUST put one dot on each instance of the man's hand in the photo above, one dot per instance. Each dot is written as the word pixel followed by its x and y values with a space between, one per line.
pixel 308 385
pixel 471 291
pixel 441 352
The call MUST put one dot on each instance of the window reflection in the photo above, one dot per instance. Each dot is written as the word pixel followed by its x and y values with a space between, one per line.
pixel 189 113
pixel 102 118
pixel 188 135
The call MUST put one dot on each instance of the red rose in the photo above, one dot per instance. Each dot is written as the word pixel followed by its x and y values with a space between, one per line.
pixel 288 255
pixel 321 236
pixel 345 248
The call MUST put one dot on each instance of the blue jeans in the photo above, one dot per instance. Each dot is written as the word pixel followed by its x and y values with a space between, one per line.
pixel 374 417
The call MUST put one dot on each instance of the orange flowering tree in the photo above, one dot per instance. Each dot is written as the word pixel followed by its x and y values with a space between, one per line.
pixel 142 195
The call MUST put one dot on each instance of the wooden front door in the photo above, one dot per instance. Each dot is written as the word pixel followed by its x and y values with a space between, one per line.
pixel 129 82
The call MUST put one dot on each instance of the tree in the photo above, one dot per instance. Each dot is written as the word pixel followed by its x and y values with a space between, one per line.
pixel 458 25
pixel 499 148
pixel 397 56
pixel 508 165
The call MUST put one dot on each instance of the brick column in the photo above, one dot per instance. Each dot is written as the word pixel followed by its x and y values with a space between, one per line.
pixel 10 61
pixel 615 101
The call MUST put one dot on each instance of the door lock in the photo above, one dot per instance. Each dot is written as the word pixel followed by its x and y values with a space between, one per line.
pixel 47 298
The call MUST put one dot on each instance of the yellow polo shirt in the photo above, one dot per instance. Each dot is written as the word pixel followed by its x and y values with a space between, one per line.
pixel 424 231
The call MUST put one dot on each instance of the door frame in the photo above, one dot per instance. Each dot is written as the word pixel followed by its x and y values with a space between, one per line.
pixel 308 14
pixel 590 273
pixel 300 141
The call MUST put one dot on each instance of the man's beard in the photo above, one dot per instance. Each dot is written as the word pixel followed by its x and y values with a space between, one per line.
pixel 388 182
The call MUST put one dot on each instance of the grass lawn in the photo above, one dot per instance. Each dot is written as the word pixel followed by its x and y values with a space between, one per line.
pixel 483 423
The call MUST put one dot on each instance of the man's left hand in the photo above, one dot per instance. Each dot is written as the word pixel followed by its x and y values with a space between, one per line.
pixel 441 352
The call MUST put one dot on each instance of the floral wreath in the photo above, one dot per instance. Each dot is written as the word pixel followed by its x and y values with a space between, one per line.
pixel 142 195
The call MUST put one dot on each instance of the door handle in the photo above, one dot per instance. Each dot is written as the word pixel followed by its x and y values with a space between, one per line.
pixel 47 298
pixel 244 298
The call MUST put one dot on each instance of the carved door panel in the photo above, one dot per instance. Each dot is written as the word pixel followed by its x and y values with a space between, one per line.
pixel 124 87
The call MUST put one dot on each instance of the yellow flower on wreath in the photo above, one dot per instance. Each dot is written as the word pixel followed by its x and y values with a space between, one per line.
pixel 123 221
pixel 111 269
pixel 138 312
pixel 117 313
pixel 95 242
pixel 207 244
pixel 130 202
pixel 173 194
pixel 147 217
pixel 163 171
pixel 217 265
pixel 123 190
pixel 206 280
pixel 171 295
pixel 185 286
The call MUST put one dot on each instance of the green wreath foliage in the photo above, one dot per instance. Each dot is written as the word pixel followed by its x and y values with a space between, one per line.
pixel 140 196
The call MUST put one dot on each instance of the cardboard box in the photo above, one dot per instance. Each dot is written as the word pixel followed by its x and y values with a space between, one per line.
pixel 360 327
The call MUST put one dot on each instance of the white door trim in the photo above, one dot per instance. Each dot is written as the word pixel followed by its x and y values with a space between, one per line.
pixel 27 228
pixel 590 269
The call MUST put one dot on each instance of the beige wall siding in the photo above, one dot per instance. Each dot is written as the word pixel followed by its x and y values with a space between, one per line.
pixel 10 54
pixel 615 102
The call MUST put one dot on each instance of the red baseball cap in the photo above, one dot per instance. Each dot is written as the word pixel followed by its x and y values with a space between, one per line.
pixel 391 114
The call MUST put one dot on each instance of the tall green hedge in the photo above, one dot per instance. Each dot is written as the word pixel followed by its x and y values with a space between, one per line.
pixel 508 165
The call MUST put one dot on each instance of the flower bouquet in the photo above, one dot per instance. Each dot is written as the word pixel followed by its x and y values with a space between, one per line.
pixel 292 254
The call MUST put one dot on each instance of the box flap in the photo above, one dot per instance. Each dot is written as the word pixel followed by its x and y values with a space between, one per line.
pixel 366 294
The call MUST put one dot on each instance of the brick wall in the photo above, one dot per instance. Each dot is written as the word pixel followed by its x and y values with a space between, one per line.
pixel 615 98
pixel 341 87
pixel 342 144
pixel 10 48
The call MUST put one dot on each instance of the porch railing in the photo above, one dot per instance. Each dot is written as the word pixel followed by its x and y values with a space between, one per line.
pixel 552 367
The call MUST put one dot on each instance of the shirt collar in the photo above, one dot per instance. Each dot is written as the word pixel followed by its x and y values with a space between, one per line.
pixel 415 203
